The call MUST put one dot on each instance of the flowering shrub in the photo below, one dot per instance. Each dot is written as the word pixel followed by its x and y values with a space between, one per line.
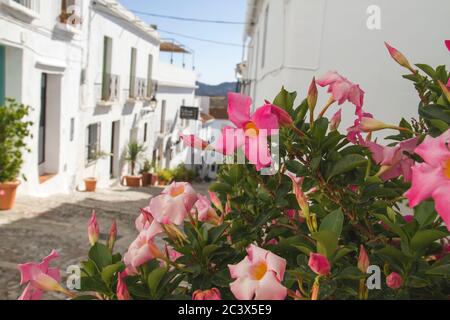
pixel 331 222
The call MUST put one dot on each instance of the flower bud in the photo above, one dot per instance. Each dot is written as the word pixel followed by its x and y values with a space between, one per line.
pixel 122 289
pixel 363 260
pixel 394 280
pixel 319 264
pixel 399 57
pixel 312 95
pixel 445 89
pixel 216 201
pixel 336 120
pixel 93 229
pixel 212 294
pixel 112 235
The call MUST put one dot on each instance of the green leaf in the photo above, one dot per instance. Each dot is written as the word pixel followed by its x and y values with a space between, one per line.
pixel 210 249
pixel 285 99
pixel 154 278
pixel 425 213
pixel 303 249
pixel 101 255
pixel 346 164
pixel 216 232
pixel 85 297
pixel 327 242
pixel 427 69
pixel 333 222
pixel 442 270
pixel 220 187
pixel 350 273
pixel 342 252
pixel 297 168
pixel 431 112
pixel 440 125
pixel 394 256
pixel 424 238
pixel 109 272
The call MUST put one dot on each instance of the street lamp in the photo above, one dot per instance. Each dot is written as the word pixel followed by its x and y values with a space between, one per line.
pixel 153 104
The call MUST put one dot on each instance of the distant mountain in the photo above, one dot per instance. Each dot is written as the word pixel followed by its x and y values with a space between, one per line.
pixel 219 90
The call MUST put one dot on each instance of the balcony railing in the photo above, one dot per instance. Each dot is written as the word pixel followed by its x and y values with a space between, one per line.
pixel 138 88
pixel 110 87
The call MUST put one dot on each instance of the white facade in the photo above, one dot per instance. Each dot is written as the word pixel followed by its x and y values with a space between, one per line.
pixel 97 94
pixel 293 40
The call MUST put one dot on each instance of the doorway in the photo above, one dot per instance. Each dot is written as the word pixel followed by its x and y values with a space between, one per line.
pixel 115 146
pixel 42 122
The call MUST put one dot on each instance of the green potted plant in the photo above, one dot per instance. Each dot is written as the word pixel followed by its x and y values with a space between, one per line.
pixel 90 183
pixel 165 176
pixel 146 174
pixel 134 151
pixel 13 133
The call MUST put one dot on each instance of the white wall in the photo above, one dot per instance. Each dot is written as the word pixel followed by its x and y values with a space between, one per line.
pixel 307 38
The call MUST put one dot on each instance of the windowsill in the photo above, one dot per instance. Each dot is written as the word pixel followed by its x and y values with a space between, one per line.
pixel 68 28
pixel 103 103
pixel 20 11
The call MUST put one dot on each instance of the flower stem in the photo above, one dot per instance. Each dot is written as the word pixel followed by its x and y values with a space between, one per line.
pixel 326 107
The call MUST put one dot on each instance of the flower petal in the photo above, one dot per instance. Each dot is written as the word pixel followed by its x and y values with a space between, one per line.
pixel 425 180
pixel 442 202
pixel 434 150
pixel 229 140
pixel 270 288
pixel 244 288
pixel 239 109
pixel 257 151
pixel 264 118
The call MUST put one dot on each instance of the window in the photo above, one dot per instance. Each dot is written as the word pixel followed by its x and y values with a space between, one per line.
pixel 30 4
pixel 150 76
pixel 70 12
pixel 133 73
pixel 93 141
pixel 2 75
pixel 264 44
pixel 72 129
pixel 145 131
pixel 163 116
pixel 107 61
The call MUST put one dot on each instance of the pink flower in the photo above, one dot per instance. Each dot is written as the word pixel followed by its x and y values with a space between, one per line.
pixel 194 142
pixel 354 132
pixel 342 90
pixel 291 213
pixel 112 235
pixel 302 200
pixel 336 120
pixel 394 280
pixel 93 229
pixel 204 209
pixel 408 218
pixel 252 132
pixel 431 179
pixel 142 249
pixel 312 95
pixel 447 44
pixel 399 57
pixel 174 203
pixel 122 289
pixel 393 160
pixel 216 201
pixel 212 294
pixel 173 255
pixel 319 264
pixel 40 277
pixel 272 242
pixel 258 276
pixel 144 220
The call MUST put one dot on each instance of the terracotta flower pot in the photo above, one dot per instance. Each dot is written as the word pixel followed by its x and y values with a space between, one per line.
pixel 8 194
pixel 146 179
pixel 133 181
pixel 154 179
pixel 91 184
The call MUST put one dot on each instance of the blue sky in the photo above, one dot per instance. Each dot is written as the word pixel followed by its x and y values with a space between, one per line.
pixel 214 63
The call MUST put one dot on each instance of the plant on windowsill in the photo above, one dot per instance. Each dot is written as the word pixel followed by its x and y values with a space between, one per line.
pixel 134 152
pixel 13 133
pixel 90 183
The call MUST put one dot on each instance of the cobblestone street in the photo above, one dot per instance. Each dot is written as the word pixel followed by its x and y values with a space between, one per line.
pixel 36 226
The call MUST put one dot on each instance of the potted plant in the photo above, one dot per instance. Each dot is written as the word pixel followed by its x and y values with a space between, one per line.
pixel 146 174
pixel 134 151
pixel 165 176
pixel 90 183
pixel 154 179
pixel 13 133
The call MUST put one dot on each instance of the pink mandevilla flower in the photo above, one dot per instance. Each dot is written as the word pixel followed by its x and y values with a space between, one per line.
pixel 212 294
pixel 258 276
pixel 319 264
pixel 431 179
pixel 144 220
pixel 204 209
pixel 93 229
pixel 252 131
pixel 394 280
pixel 395 161
pixel 122 289
pixel 40 277
pixel 142 249
pixel 342 90
pixel 173 204
pixel 447 44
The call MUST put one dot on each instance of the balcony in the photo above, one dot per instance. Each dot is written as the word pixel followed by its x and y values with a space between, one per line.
pixel 70 19
pixel 110 91
pixel 138 89
pixel 25 10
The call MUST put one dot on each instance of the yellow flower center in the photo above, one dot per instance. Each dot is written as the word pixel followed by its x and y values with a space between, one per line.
pixel 175 192
pixel 259 270
pixel 251 130
pixel 447 168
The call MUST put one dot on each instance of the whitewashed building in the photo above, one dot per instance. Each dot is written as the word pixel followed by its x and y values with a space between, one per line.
pixel 290 41
pixel 92 83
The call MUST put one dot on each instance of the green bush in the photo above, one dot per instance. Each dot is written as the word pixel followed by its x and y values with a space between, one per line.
pixel 13 133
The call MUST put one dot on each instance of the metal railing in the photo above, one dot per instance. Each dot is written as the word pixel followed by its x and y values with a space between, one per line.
pixel 138 88
pixel 110 87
